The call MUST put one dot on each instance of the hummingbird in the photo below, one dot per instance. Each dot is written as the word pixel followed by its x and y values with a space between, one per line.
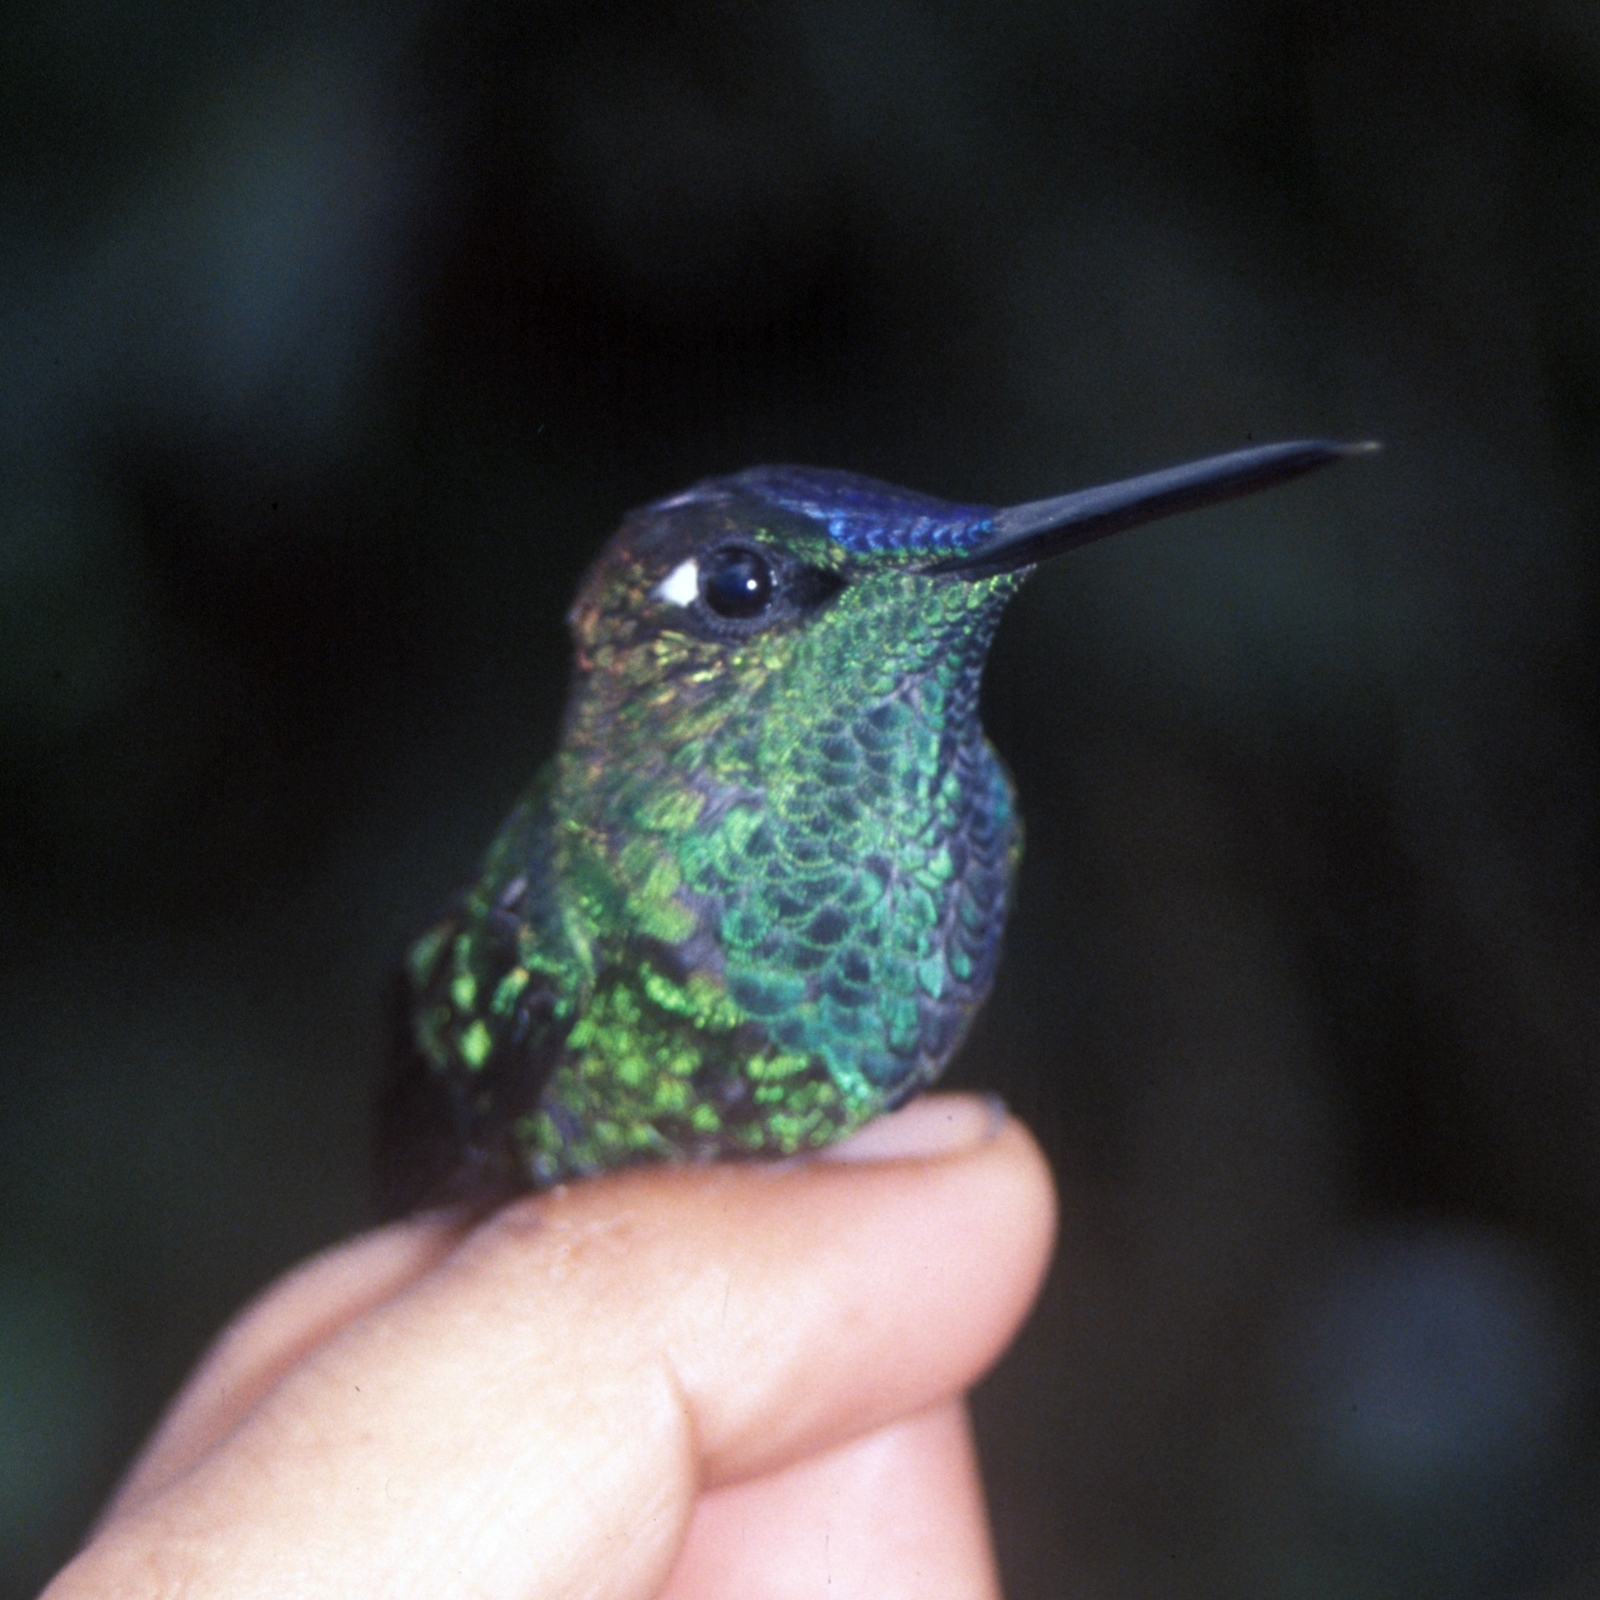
pixel 756 897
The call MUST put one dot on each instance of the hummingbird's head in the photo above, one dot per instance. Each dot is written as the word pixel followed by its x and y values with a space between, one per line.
pixel 703 599
pixel 757 557
pixel 789 592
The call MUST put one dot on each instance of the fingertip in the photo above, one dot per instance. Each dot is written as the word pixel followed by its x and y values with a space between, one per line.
pixel 926 1263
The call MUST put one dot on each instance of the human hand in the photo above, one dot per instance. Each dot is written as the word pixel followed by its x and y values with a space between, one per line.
pixel 734 1380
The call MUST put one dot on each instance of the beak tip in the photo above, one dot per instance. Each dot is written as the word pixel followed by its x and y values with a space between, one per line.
pixel 1026 534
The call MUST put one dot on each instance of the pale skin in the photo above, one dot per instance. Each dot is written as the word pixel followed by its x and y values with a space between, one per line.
pixel 732 1381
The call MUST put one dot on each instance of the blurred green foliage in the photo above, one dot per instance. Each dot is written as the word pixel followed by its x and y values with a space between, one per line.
pixel 332 342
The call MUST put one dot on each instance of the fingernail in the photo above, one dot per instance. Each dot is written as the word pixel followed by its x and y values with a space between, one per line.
pixel 935 1125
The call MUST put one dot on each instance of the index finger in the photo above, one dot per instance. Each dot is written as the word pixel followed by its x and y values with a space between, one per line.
pixel 535 1413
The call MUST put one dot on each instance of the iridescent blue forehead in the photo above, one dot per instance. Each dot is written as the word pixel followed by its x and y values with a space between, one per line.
pixel 859 513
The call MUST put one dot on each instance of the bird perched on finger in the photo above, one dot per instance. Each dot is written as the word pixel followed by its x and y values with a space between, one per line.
pixel 757 895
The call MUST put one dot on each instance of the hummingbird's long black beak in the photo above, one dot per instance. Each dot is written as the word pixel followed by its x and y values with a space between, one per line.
pixel 1020 536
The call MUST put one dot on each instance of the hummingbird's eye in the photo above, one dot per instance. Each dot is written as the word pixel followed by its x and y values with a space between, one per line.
pixel 736 582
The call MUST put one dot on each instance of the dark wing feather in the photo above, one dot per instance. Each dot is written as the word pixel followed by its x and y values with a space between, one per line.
pixel 476 1038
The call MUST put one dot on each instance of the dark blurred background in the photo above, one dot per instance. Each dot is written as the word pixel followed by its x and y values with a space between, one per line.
pixel 334 339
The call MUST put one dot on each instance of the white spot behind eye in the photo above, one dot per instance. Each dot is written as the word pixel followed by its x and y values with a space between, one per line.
pixel 681 585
